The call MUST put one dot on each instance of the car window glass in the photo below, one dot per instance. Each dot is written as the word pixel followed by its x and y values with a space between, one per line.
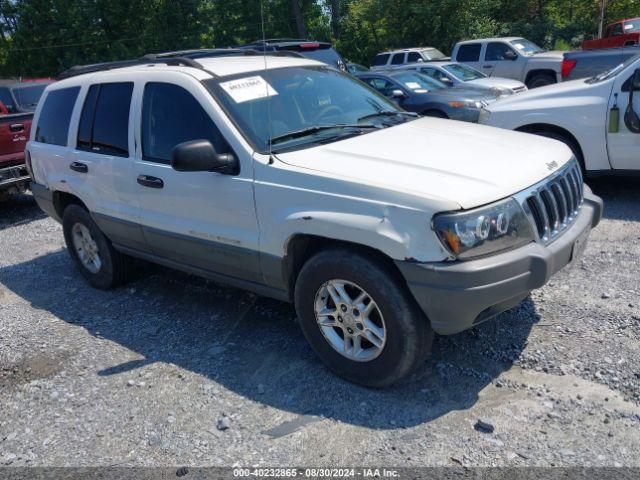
pixel 616 30
pixel 7 99
pixel 414 57
pixel 469 52
pixel 104 122
pixel 436 74
pixel 496 52
pixel 380 84
pixel 171 115
pixel 53 124
pixel 397 59
pixel 380 60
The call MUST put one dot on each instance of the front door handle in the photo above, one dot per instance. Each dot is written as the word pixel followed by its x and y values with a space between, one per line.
pixel 149 181
pixel 79 167
pixel 16 127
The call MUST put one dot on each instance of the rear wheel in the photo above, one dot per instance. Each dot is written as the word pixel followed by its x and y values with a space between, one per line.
pixel 359 319
pixel 99 263
pixel 540 80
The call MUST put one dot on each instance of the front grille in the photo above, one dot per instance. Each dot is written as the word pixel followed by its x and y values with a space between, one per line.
pixel 553 204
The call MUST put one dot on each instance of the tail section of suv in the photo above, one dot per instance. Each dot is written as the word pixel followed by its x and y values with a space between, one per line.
pixel 295 180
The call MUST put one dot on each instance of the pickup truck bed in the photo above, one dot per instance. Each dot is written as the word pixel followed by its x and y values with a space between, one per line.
pixel 589 63
pixel 14 134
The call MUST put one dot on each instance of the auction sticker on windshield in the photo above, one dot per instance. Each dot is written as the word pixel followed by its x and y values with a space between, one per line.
pixel 249 88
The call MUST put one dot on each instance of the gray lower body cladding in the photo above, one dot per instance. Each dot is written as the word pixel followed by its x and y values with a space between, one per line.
pixel 455 296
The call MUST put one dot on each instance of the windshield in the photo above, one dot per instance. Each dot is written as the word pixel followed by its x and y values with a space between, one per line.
pixel 300 99
pixel 432 54
pixel 631 26
pixel 27 97
pixel 526 47
pixel 463 72
pixel 419 83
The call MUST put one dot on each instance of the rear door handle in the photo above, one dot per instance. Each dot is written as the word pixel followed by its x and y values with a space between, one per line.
pixel 149 181
pixel 79 167
pixel 16 127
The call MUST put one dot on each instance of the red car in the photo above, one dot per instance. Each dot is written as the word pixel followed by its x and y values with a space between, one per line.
pixel 623 33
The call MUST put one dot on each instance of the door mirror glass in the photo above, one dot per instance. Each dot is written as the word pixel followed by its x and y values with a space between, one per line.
pixel 510 55
pixel 201 156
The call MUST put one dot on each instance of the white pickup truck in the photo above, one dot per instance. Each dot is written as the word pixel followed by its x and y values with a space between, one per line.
pixel 511 57
pixel 592 116
pixel 290 178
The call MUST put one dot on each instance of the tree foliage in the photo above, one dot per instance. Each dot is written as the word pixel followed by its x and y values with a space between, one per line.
pixel 43 37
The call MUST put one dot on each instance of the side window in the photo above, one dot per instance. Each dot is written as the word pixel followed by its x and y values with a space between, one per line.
pixel 380 84
pixel 53 124
pixel 104 123
pixel 397 59
pixel 436 74
pixel 616 30
pixel 380 60
pixel 7 99
pixel 414 57
pixel 469 52
pixel 171 115
pixel 496 52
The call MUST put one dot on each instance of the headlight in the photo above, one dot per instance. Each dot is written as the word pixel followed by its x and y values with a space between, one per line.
pixel 484 116
pixel 485 230
pixel 501 91
pixel 467 104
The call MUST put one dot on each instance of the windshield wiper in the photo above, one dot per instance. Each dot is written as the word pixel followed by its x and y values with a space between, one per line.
pixel 387 113
pixel 315 129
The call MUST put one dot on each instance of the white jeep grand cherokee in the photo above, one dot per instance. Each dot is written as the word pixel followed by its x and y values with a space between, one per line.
pixel 292 179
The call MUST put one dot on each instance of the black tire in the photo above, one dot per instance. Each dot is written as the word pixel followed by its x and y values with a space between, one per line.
pixel 409 335
pixel 540 80
pixel 435 114
pixel 569 142
pixel 114 265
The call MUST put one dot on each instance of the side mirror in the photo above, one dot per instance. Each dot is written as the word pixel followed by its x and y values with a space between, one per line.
pixel 397 93
pixel 201 156
pixel 510 55
pixel 3 109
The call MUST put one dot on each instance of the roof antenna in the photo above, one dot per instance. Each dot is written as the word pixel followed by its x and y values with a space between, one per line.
pixel 266 84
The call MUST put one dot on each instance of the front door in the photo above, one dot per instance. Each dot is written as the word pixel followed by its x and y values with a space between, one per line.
pixel 497 62
pixel 205 220
pixel 624 146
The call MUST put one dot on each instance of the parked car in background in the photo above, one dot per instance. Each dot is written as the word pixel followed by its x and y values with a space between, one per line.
pixel 511 57
pixel 354 68
pixel 620 34
pixel 393 58
pixel 320 51
pixel 454 74
pixel 22 97
pixel 589 63
pixel 418 93
pixel 292 179
pixel 15 126
pixel 593 117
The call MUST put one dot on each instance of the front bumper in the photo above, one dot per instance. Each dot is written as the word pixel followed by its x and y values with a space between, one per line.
pixel 15 177
pixel 455 296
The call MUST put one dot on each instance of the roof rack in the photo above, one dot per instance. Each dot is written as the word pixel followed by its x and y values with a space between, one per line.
pixel 146 60
pixel 224 52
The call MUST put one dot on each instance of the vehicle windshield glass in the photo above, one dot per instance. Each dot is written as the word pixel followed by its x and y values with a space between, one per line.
pixel 324 55
pixel 28 96
pixel 299 99
pixel 526 47
pixel 432 54
pixel 632 26
pixel 612 72
pixel 463 72
pixel 419 83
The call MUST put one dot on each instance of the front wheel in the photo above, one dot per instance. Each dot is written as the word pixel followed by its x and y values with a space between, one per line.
pixel 99 263
pixel 540 80
pixel 359 318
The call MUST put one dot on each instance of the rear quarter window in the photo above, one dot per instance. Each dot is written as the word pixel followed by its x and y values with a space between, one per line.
pixel 380 60
pixel 469 52
pixel 53 123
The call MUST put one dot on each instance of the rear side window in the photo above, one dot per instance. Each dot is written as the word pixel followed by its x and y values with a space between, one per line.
pixel 104 123
pixel 7 99
pixel 469 52
pixel 398 59
pixel 414 57
pixel 380 60
pixel 171 115
pixel 53 124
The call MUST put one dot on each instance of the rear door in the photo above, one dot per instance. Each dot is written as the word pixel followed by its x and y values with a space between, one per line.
pixel 205 220
pixel 469 53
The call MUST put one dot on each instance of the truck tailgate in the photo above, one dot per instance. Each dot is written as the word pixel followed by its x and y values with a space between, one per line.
pixel 14 134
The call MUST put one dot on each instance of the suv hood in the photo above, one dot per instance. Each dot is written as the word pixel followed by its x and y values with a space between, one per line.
pixel 439 160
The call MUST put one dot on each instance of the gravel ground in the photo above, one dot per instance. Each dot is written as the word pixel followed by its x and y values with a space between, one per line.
pixel 172 370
